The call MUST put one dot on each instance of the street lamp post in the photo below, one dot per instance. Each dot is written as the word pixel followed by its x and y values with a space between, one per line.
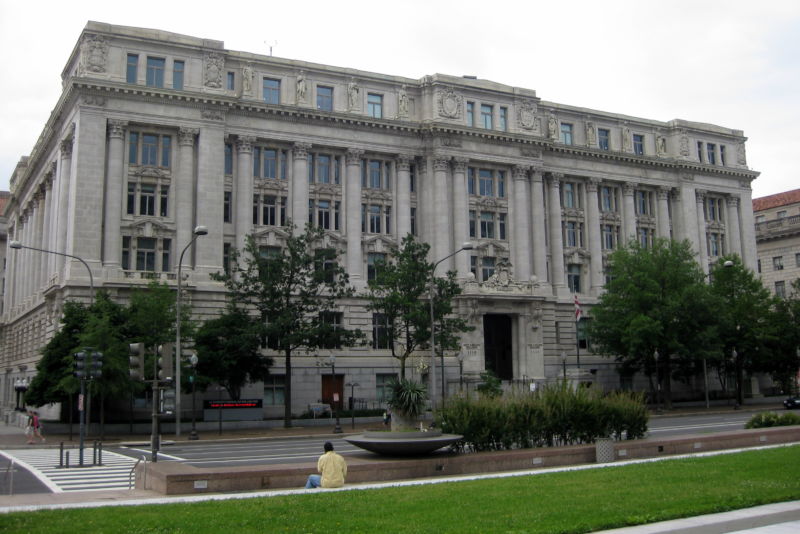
pixel 20 386
pixel 464 246
pixel 198 231
pixel 564 363
pixel 332 360
pixel 17 245
pixel 657 357
pixel 352 403
pixel 461 369
pixel 193 360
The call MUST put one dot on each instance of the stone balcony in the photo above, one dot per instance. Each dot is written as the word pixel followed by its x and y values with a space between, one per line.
pixel 778 228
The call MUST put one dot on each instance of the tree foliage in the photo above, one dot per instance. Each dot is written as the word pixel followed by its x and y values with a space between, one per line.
pixel 291 292
pixel 656 301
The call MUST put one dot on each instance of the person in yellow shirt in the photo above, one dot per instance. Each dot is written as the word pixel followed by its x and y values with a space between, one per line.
pixel 332 469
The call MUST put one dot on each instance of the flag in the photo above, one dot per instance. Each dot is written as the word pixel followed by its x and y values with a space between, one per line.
pixel 578 311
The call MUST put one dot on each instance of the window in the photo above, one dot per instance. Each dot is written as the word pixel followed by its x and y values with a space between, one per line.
pixel 271 208
pixel 274 390
pixel 643 202
pixel 381 337
pixel 566 133
pixel 486 116
pixel 568 195
pixel 147 199
pixel 230 81
pixel 472 224
pixel 228 158
pixel 145 254
pixel 413 221
pixel 714 208
pixel 126 252
pixel 645 236
pixel 470 113
pixel 711 153
pixel 177 74
pixel 227 206
pixel 700 150
pixel 610 236
pixel 780 289
pixel 487 267
pixel 155 72
pixel 486 183
pixel 163 208
pixel 324 98
pixel 375 174
pixel 715 242
pixel 383 382
pixel 781 214
pixel 487 225
pixel 226 258
pixel 375 105
pixel 374 262
pixel 777 263
pixel 574 231
pixel 331 323
pixel 608 199
pixel 602 138
pixel 272 91
pixel 797 259
pixel 504 119
pixel 759 266
pixel 638 144
pixel 722 155
pixel 132 69
pixel 574 278
pixel 501 225
pixel 151 254
pixel 323 210
pixel 153 150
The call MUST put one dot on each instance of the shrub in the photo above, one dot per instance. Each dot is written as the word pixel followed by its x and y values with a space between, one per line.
pixel 407 397
pixel 768 419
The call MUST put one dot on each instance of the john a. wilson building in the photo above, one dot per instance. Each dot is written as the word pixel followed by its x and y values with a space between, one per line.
pixel 156 133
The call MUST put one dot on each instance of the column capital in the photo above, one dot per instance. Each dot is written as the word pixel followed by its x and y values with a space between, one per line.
pixel 66 148
pixel 460 164
pixel 116 128
pixel 733 201
pixel 663 192
pixel 700 195
pixel 244 144
pixel 353 156
pixel 592 184
pixel 537 175
pixel 554 178
pixel 521 171
pixel 300 150
pixel 441 163
pixel 186 136
pixel 628 188
pixel 403 162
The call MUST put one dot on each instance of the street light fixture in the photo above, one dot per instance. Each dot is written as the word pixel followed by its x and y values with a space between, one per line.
pixel 198 231
pixel 20 386
pixel 352 403
pixel 461 369
pixel 464 246
pixel 332 361
pixel 193 361
pixel 17 245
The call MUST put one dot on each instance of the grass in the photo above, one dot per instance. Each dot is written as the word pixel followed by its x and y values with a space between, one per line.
pixel 567 502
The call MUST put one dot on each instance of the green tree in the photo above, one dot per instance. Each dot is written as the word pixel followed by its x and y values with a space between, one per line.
pixel 656 301
pixel 151 320
pixel 293 292
pixel 784 347
pixel 399 293
pixel 746 312
pixel 229 351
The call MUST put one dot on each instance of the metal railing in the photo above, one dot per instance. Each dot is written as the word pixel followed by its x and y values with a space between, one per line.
pixel 144 473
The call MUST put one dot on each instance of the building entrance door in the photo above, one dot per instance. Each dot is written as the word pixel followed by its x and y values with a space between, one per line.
pixel 497 345
pixel 333 386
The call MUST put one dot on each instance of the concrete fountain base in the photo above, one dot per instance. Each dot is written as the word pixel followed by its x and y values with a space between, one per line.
pixel 403 443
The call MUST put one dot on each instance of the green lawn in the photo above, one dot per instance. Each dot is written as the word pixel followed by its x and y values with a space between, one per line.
pixel 566 502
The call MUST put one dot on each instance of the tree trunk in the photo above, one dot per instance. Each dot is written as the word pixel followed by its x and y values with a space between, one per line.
pixel 287 389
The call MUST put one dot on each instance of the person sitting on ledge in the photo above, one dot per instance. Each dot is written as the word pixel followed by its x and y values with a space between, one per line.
pixel 332 469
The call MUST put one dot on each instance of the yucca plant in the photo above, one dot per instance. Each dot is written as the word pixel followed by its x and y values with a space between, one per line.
pixel 407 398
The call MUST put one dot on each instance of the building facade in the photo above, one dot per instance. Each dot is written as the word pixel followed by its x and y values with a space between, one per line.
pixel 156 133
pixel 777 219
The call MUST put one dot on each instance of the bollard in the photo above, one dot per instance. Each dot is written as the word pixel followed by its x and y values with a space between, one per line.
pixel 67 455
pixel 61 455
pixel 94 453
pixel 99 453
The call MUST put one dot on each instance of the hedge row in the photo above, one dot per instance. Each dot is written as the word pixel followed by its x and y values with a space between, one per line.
pixel 554 415
pixel 767 419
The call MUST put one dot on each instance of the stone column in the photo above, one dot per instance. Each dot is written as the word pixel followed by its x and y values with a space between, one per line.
pixel 112 249
pixel 556 239
pixel 538 233
pixel 210 194
pixel 629 212
pixel 734 232
pixel 702 247
pixel 663 212
pixel 747 228
pixel 353 194
pixel 183 195
pixel 244 190
pixel 403 209
pixel 300 185
pixel 522 267
pixel 47 243
pixel 63 203
pixel 596 277
pixel 441 217
pixel 39 242
pixel 688 217
pixel 460 214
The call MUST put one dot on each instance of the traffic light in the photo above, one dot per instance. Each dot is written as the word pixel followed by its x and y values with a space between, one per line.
pixel 166 361
pixel 168 401
pixel 79 365
pixel 96 364
pixel 137 360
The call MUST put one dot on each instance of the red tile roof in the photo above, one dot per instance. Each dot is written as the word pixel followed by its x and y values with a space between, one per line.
pixel 776 200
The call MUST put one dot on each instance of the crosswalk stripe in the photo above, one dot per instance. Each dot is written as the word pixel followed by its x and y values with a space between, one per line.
pixel 43 463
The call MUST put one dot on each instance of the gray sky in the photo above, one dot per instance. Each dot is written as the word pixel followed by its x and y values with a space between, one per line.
pixel 734 63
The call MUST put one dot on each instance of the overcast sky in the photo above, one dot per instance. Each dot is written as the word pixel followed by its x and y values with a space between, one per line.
pixel 734 63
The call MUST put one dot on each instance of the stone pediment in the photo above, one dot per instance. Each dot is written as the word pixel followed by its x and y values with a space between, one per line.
pixel 610 217
pixel 379 243
pixel 150 172
pixel 334 240
pixel 376 194
pixel 148 228
pixel 272 185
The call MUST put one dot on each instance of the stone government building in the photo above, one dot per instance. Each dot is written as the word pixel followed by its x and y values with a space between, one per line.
pixel 156 132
